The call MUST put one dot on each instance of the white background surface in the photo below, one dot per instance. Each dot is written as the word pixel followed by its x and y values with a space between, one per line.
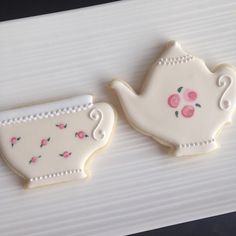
pixel 135 185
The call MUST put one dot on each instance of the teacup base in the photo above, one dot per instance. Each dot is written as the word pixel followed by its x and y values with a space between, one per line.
pixel 55 178
pixel 196 148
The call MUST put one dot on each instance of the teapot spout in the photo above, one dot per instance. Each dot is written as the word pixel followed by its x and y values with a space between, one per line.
pixel 123 90
pixel 129 100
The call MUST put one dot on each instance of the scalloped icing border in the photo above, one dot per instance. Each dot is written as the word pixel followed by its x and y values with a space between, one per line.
pixel 26 114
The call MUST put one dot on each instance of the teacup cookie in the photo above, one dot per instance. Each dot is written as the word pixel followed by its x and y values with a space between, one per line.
pixel 51 143
pixel 183 104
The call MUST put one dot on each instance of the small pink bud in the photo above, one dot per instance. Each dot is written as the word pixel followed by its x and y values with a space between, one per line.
pixel 61 126
pixel 13 140
pixel 66 154
pixel 44 142
pixel 81 134
pixel 34 159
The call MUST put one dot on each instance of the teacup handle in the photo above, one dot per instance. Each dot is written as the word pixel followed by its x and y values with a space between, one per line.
pixel 97 115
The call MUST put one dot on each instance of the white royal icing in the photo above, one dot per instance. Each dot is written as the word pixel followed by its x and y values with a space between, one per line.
pixel 47 149
pixel 221 82
pixel 183 104
pixel 175 60
pixel 96 114
pixel 41 111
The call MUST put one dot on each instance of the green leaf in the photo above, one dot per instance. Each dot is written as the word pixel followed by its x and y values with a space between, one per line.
pixel 179 89
pixel 177 114
pixel 198 105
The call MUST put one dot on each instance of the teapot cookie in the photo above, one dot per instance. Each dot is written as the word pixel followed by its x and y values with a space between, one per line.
pixel 52 143
pixel 183 104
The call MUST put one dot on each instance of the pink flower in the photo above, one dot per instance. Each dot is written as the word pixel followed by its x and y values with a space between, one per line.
pixel 61 126
pixel 81 135
pixel 174 100
pixel 44 142
pixel 187 111
pixel 190 95
pixel 34 159
pixel 65 154
pixel 14 140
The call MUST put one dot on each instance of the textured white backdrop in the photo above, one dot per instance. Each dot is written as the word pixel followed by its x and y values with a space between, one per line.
pixel 135 185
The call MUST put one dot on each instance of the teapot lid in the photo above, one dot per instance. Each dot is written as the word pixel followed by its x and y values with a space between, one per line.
pixel 174 54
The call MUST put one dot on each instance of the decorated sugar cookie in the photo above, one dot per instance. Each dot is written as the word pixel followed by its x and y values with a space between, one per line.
pixel 183 104
pixel 51 143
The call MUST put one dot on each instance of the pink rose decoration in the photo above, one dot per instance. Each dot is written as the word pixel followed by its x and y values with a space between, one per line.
pixel 14 140
pixel 190 95
pixel 61 126
pixel 44 142
pixel 174 100
pixel 81 135
pixel 188 111
pixel 65 154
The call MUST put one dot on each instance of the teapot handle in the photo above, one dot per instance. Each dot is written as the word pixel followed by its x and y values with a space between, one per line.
pixel 225 79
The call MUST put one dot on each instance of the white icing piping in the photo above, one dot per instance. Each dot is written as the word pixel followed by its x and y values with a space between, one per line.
pixel 224 104
pixel 96 114
pixel 175 60
pixel 58 174
pixel 42 115
pixel 197 144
